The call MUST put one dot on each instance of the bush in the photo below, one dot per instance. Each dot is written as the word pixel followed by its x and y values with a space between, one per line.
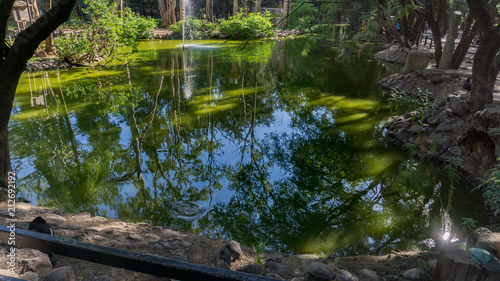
pixel 304 17
pixel 243 26
pixel 195 29
pixel 103 34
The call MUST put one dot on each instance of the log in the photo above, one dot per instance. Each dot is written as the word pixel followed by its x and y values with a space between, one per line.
pixel 455 264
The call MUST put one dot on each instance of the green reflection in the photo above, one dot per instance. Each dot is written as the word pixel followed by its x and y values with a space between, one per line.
pixel 279 142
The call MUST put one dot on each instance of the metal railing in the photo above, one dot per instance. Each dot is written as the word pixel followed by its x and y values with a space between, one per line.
pixel 144 263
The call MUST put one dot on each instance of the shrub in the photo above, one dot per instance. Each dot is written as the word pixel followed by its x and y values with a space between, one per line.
pixel 195 28
pixel 103 34
pixel 243 26
pixel 304 17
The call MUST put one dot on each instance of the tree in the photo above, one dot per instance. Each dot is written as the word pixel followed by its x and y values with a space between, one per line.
pixel 210 10
pixel 13 61
pixel 167 12
pixel 486 63
pixel 435 19
pixel 235 7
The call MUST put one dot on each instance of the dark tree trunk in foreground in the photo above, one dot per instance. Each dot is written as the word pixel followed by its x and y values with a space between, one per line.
pixel 486 62
pixel 13 62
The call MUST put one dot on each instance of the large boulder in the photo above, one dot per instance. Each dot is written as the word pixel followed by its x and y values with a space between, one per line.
pixel 489 242
pixel 417 60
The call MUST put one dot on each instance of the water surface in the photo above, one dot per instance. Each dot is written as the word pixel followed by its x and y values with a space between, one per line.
pixel 276 142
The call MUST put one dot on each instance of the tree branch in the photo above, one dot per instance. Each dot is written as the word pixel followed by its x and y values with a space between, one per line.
pixel 5 9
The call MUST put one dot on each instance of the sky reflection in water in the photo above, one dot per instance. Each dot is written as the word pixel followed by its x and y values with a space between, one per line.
pixel 279 142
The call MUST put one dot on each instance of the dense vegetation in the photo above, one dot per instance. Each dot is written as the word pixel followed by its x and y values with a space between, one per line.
pixel 99 38
pixel 241 26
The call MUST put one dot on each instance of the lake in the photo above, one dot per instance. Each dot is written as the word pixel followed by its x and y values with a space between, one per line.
pixel 278 143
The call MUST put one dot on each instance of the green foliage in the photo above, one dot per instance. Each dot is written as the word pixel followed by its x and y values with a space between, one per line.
pixel 400 100
pixel 468 223
pixel 491 193
pixel 195 28
pixel 100 38
pixel 303 17
pixel 241 26
pixel 259 258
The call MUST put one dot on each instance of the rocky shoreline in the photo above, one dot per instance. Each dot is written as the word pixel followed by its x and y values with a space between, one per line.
pixel 156 240
pixel 446 132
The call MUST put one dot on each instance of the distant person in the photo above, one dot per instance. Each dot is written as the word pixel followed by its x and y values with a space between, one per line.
pixel 398 28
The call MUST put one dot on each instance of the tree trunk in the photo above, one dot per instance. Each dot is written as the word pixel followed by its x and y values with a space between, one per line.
pixel 210 11
pixel 14 63
pixel 486 62
pixel 49 42
pixel 119 7
pixel 468 34
pixel 484 72
pixel 245 6
pixel 435 26
pixel 163 13
pixel 285 14
pixel 181 8
pixel 257 6
pixel 235 7
pixel 449 46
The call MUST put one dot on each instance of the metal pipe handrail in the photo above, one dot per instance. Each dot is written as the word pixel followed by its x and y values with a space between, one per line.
pixel 149 264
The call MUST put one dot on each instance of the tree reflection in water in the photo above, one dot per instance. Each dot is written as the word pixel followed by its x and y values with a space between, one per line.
pixel 279 142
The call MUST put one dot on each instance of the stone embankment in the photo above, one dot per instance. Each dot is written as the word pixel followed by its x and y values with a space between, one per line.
pixel 393 54
pixel 156 240
pixel 46 64
pixel 446 132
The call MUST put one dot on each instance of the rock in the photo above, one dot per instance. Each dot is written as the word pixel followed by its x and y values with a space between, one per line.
pixel 60 274
pixel 433 263
pixel 235 249
pixel 456 151
pixel 453 73
pixel 417 59
pixel 99 278
pixel 489 242
pixel 446 79
pixel 413 274
pixel 29 276
pixel 135 237
pixel 459 107
pixel 277 257
pixel 28 260
pixel 152 236
pixel 436 79
pixel 481 255
pixel 276 268
pixel 54 219
pixel 444 127
pixel 345 275
pixel 252 269
pixel 98 238
pixel 222 264
pixel 320 270
pixel 225 255
pixel 275 276
pixel 367 275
